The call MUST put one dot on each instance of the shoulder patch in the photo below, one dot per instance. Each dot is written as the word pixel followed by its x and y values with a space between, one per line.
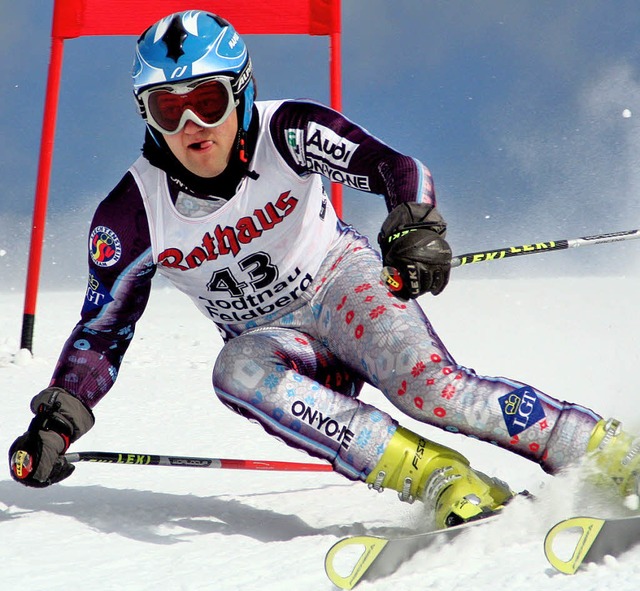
pixel 104 246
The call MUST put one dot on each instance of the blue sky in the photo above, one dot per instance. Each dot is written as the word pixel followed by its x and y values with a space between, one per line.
pixel 515 105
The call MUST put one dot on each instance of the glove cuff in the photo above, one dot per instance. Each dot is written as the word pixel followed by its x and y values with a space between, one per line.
pixel 409 216
pixel 57 410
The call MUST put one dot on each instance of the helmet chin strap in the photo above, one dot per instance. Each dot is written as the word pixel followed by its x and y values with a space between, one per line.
pixel 243 156
pixel 241 146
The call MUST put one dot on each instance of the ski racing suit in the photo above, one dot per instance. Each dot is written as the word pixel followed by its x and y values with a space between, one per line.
pixel 296 294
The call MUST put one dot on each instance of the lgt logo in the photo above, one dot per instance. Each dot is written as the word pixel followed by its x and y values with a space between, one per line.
pixel 521 409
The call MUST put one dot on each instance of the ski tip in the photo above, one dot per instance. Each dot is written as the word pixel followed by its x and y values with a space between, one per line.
pixel 586 529
pixel 348 560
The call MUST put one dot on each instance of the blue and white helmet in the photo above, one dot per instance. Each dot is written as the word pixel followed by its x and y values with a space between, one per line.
pixel 189 45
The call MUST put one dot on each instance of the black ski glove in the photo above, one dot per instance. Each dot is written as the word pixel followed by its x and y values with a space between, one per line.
pixel 415 255
pixel 36 458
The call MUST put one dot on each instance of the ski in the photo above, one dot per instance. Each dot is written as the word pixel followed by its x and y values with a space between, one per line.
pixel 377 557
pixel 596 538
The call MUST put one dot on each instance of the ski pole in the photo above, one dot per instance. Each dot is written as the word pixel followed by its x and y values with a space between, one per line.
pixel 539 247
pixel 108 457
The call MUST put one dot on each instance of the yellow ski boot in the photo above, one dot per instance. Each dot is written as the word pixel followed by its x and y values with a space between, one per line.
pixel 440 476
pixel 615 455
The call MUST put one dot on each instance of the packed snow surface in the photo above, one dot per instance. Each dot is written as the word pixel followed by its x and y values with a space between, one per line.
pixel 111 527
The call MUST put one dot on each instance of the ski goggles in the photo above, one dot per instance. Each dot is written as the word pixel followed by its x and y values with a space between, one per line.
pixel 206 101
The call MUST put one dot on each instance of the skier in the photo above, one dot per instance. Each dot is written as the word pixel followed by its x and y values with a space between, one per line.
pixel 227 202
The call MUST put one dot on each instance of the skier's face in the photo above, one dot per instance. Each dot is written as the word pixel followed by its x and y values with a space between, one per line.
pixel 204 151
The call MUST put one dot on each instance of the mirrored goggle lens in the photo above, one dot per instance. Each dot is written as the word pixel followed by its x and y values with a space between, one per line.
pixel 210 101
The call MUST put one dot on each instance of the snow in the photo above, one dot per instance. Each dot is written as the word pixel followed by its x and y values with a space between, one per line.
pixel 111 527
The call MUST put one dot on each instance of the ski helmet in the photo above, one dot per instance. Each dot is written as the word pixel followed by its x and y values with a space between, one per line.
pixel 189 45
